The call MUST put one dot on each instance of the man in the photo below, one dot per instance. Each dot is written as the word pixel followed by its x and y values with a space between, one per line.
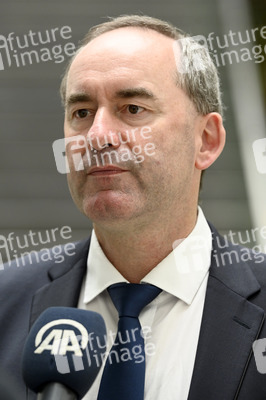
pixel 136 79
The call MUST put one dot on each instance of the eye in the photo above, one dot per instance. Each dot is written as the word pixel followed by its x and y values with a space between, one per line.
pixel 82 113
pixel 133 109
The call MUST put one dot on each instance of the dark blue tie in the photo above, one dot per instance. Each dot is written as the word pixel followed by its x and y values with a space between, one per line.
pixel 124 372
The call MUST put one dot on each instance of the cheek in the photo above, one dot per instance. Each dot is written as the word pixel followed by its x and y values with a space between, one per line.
pixel 176 141
pixel 76 184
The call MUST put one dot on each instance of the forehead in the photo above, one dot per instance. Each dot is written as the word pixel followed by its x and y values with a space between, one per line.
pixel 134 53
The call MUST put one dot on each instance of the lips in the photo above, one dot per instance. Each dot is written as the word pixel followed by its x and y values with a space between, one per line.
pixel 106 170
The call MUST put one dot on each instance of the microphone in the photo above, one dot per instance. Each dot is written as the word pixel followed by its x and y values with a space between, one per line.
pixel 64 353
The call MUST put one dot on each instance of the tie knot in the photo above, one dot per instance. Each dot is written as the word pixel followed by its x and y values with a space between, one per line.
pixel 130 298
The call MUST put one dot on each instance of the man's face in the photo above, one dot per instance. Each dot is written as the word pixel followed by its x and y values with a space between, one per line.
pixel 119 83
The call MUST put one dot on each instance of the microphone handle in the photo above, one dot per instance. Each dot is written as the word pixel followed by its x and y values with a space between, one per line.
pixel 56 391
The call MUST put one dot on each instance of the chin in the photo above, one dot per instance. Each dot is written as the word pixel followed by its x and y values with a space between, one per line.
pixel 106 211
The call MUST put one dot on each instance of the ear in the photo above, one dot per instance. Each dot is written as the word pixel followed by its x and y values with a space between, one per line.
pixel 211 140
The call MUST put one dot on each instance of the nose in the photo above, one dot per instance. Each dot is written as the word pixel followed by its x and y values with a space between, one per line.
pixel 103 132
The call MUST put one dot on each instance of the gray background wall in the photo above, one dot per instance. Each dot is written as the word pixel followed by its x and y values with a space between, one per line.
pixel 33 195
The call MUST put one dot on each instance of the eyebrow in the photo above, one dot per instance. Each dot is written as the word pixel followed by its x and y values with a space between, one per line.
pixel 124 94
pixel 77 98
pixel 136 92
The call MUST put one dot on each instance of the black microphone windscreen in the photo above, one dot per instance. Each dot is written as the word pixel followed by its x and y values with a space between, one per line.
pixel 65 345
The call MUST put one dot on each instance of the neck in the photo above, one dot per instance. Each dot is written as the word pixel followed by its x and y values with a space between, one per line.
pixel 135 251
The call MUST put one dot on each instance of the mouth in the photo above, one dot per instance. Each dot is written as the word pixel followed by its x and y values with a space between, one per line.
pixel 106 170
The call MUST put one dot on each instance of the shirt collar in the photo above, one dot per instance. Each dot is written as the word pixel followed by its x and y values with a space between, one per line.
pixel 181 273
pixel 100 272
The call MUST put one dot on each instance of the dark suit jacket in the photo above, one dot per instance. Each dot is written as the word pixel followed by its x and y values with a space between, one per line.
pixel 233 318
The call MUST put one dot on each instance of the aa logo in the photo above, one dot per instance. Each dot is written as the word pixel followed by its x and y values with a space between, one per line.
pixel 64 344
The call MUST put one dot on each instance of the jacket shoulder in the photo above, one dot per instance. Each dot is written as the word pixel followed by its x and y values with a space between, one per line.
pixel 31 270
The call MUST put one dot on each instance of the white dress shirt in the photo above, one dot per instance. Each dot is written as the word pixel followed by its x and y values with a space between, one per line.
pixel 171 322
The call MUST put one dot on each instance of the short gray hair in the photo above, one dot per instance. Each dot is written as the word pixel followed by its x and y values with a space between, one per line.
pixel 199 79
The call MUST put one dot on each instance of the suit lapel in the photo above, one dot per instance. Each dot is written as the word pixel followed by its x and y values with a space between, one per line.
pixel 66 280
pixel 230 324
